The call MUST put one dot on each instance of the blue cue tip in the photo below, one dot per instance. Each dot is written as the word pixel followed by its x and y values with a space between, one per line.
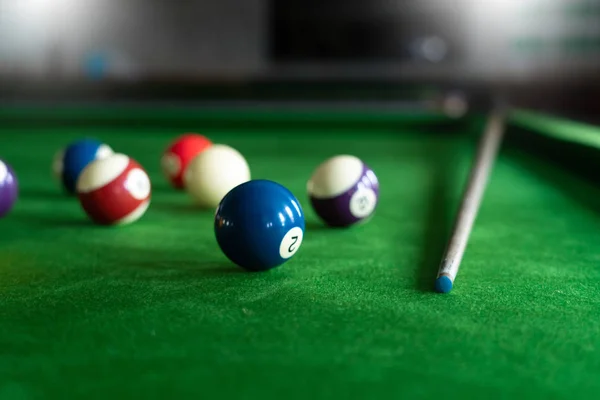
pixel 443 284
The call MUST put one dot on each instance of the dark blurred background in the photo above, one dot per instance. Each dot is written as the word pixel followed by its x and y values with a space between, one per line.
pixel 544 53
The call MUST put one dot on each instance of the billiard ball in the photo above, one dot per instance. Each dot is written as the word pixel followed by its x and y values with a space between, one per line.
pixel 259 225
pixel 114 190
pixel 57 164
pixel 179 154
pixel 213 173
pixel 343 191
pixel 9 188
pixel 68 163
pixel 455 104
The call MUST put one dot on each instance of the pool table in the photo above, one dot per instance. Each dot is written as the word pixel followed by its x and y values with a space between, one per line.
pixel 155 310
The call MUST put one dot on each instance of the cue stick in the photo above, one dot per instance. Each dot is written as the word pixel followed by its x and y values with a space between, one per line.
pixel 484 160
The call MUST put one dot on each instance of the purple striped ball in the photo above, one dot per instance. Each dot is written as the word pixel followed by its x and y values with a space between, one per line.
pixel 343 191
pixel 9 188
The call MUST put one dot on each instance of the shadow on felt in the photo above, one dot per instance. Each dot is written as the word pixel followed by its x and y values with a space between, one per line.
pixel 317 226
pixel 47 194
pixel 571 167
pixel 180 208
pixel 162 187
pixel 439 212
pixel 148 263
pixel 170 270
pixel 52 220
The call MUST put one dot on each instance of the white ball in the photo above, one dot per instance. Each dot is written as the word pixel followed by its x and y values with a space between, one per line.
pixel 213 173
pixel 335 176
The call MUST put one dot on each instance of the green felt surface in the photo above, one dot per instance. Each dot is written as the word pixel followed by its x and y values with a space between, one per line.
pixel 154 310
pixel 560 129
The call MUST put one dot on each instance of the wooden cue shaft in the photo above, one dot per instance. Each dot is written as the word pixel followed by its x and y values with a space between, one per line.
pixel 484 160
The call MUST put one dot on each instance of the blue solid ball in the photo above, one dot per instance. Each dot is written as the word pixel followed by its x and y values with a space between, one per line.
pixel 77 156
pixel 259 225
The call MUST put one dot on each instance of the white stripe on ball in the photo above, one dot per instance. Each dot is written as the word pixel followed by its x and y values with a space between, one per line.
pixel 101 172
pixel 335 176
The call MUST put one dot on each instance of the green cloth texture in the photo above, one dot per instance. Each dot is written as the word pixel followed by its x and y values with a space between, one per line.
pixel 155 310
